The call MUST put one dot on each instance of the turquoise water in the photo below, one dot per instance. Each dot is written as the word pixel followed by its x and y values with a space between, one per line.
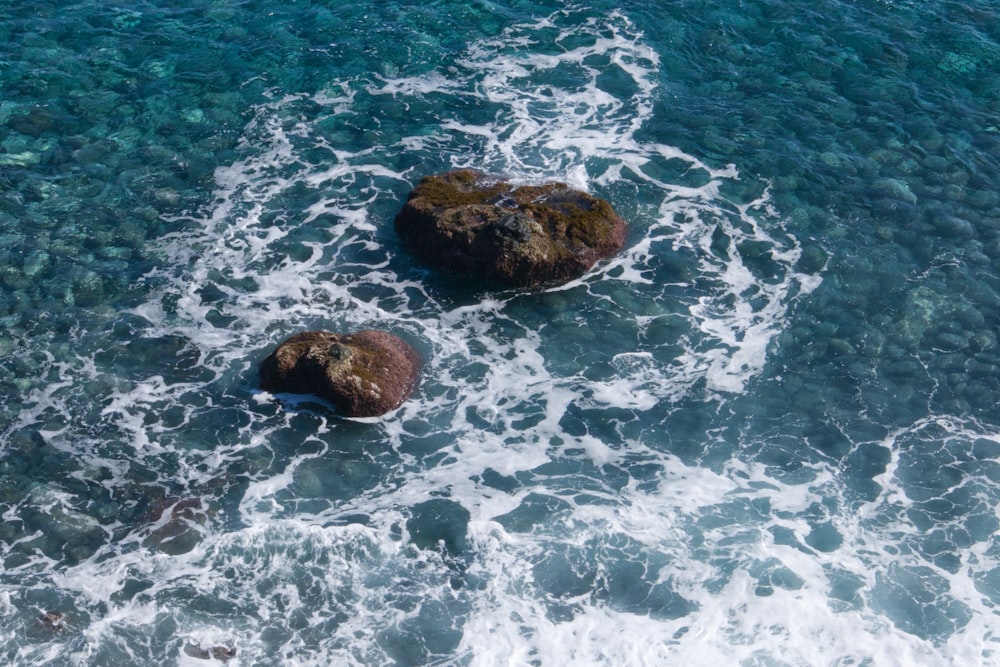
pixel 763 434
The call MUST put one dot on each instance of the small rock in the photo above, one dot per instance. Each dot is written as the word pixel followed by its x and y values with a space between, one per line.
pixel 220 653
pixel 178 531
pixel 365 374
pixel 53 620
pixel 439 523
pixel 21 159
pixel 812 260
pixel 35 122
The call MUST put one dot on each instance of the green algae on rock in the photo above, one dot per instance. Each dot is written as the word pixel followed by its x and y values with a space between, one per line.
pixel 484 227
pixel 365 374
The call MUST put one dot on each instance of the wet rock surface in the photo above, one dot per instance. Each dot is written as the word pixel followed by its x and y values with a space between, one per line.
pixel 220 653
pixel 365 374
pixel 483 227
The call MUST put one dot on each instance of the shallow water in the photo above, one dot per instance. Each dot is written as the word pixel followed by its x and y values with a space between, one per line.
pixel 763 434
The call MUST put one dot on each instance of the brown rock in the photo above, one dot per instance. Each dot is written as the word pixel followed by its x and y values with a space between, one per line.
pixel 53 620
pixel 220 653
pixel 485 228
pixel 365 374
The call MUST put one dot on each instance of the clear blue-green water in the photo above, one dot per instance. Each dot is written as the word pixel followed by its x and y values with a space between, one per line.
pixel 765 433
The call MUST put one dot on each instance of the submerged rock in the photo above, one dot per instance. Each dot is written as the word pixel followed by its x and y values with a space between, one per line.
pixel 438 524
pixel 365 374
pixel 220 653
pixel 178 525
pixel 483 227
pixel 53 620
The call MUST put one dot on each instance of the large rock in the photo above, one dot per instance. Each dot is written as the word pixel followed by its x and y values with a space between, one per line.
pixel 365 374
pixel 485 228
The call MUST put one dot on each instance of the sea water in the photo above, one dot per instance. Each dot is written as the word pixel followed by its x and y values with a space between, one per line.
pixel 765 433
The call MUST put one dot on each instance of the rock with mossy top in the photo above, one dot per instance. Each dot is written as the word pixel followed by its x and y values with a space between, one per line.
pixel 364 374
pixel 486 228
